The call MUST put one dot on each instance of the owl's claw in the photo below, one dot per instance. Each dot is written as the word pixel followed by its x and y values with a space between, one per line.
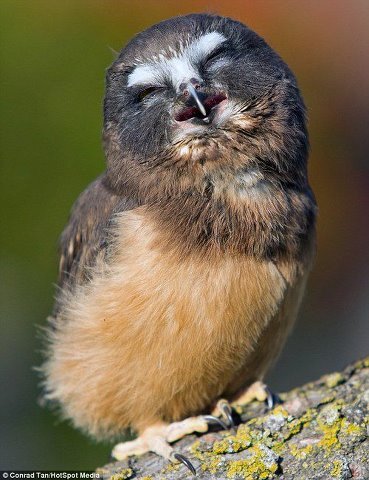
pixel 226 411
pixel 181 458
pixel 271 398
pixel 157 439
pixel 212 419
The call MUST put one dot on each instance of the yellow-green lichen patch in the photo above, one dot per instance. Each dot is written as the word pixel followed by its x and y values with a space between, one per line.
pixel 329 415
pixel 295 425
pixel 279 410
pixel 239 469
pixel 212 465
pixel 337 468
pixel 234 443
pixel 334 379
pixel 301 452
pixel 327 399
pixel 277 446
pixel 352 433
pixel 171 467
pixel 195 450
pixel 330 438
pixel 195 445
pixel 122 475
pixel 245 434
pixel 210 460
pixel 329 422
pixel 229 445
pixel 350 428
pixel 261 463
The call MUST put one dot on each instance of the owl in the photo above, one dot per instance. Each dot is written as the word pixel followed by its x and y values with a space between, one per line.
pixel 183 265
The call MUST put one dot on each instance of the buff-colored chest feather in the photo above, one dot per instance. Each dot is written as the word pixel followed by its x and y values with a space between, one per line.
pixel 170 333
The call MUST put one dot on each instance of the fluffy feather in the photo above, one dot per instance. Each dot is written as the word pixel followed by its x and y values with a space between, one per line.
pixel 183 266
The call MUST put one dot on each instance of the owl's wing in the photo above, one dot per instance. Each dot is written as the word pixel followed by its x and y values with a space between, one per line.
pixel 86 237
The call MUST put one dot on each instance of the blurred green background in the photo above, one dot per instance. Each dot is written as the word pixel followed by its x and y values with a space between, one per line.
pixel 53 57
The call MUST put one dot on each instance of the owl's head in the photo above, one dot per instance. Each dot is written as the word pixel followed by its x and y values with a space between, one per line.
pixel 196 95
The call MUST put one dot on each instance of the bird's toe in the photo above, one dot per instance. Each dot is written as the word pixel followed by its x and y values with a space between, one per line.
pixel 156 439
pixel 123 450
pixel 226 412
pixel 257 391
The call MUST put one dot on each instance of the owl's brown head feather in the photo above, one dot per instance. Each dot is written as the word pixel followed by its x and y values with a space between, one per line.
pixel 201 115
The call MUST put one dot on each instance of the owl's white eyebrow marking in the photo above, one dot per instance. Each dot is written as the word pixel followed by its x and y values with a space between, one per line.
pixel 180 66
pixel 206 44
pixel 143 74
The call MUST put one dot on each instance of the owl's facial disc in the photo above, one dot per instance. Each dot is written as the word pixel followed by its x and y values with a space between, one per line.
pixel 192 86
pixel 184 75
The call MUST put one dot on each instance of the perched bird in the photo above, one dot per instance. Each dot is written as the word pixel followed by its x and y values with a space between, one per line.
pixel 183 265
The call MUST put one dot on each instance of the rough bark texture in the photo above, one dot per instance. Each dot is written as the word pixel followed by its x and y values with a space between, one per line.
pixel 319 431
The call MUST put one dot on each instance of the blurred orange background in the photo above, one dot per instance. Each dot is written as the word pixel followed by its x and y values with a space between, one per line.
pixel 53 58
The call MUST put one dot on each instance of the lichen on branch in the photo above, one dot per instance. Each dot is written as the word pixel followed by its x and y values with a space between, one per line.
pixel 318 431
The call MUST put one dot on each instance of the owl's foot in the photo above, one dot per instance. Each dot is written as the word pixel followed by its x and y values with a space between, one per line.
pixel 224 411
pixel 157 438
pixel 256 391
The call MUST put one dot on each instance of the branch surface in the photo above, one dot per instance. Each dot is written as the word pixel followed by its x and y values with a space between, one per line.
pixel 319 431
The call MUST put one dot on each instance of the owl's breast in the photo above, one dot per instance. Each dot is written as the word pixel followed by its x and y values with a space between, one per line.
pixel 164 330
pixel 203 318
pixel 226 299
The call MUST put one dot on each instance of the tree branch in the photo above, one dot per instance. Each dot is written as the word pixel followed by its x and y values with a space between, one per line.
pixel 319 431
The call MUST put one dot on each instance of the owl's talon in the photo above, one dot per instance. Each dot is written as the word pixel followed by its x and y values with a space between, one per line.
pixel 270 398
pixel 226 411
pixel 181 458
pixel 157 439
pixel 212 419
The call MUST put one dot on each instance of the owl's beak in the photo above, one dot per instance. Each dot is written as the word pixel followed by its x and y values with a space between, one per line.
pixel 193 93
pixel 198 104
pixel 201 108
